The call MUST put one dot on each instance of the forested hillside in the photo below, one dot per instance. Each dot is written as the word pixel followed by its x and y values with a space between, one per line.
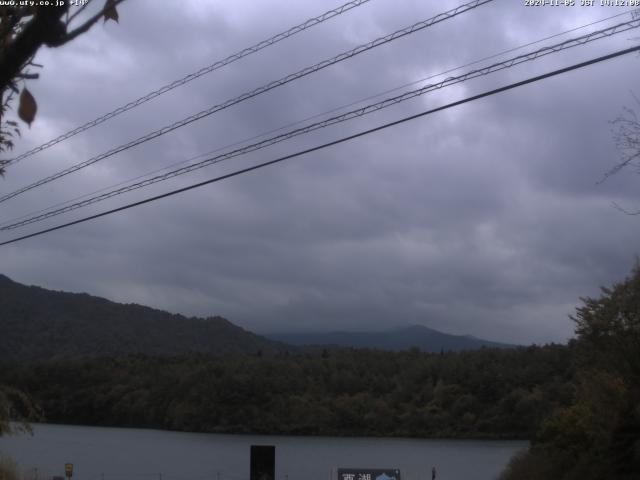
pixel 494 393
pixel 40 324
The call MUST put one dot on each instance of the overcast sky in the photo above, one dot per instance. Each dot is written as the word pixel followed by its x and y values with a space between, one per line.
pixel 484 219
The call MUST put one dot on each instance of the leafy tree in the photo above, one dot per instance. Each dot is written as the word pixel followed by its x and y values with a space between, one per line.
pixel 18 407
pixel 24 29
pixel 598 436
pixel 608 330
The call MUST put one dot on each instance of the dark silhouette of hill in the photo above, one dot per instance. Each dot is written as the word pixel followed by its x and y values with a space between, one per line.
pixel 40 324
pixel 426 339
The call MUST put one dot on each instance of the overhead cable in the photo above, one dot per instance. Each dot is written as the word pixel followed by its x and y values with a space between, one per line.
pixel 495 67
pixel 306 119
pixel 332 143
pixel 265 88
pixel 192 76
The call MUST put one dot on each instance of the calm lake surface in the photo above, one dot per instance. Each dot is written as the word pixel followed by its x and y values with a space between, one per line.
pixel 124 453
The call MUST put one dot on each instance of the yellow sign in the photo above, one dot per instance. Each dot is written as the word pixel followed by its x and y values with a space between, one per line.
pixel 68 469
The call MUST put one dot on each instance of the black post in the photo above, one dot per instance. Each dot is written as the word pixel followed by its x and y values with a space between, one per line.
pixel 263 462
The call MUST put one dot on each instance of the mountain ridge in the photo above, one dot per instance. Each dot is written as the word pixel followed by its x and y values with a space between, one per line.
pixel 41 324
pixel 394 339
pixel 38 324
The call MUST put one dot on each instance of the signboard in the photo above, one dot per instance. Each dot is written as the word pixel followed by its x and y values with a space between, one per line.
pixel 368 474
pixel 68 469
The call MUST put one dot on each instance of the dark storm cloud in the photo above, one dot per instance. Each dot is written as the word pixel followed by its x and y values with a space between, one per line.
pixel 485 219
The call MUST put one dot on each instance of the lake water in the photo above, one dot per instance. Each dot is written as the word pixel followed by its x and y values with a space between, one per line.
pixel 136 454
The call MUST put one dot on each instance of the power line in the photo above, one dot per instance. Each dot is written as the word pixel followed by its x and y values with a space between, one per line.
pixel 298 122
pixel 192 76
pixel 265 88
pixel 570 43
pixel 338 119
pixel 332 143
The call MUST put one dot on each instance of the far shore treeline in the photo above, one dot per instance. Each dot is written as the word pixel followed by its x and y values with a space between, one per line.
pixel 488 393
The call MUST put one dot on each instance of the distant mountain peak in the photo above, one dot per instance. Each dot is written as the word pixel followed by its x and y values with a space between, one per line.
pixel 415 328
pixel 397 338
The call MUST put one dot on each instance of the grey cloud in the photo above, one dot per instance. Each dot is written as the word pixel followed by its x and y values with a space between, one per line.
pixel 484 219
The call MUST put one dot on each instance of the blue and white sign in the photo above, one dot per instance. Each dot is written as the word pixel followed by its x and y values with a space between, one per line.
pixel 368 474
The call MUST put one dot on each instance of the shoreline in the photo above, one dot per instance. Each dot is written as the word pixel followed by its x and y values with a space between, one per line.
pixel 287 434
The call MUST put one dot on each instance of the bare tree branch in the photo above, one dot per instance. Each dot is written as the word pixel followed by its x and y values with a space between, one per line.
pixel 78 12
pixel 90 22
pixel 28 76
pixel 44 28
pixel 626 135
pixel 23 30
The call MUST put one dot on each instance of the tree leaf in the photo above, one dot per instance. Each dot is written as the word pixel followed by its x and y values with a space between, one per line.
pixel 28 107
pixel 110 12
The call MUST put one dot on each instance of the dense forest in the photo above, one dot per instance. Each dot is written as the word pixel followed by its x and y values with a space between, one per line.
pixel 491 393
